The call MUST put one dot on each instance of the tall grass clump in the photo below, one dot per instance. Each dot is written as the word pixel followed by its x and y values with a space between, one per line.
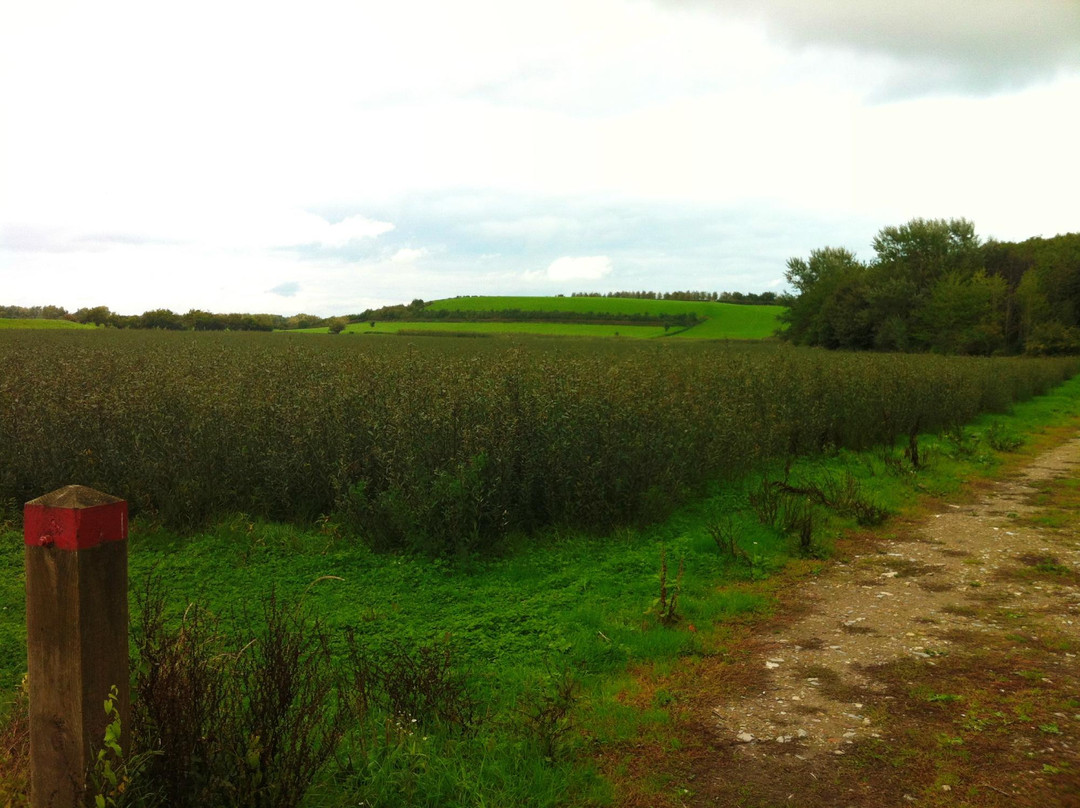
pixel 444 446
pixel 225 714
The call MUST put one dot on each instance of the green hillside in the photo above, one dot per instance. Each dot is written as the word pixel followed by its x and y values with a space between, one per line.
pixel 8 322
pixel 725 320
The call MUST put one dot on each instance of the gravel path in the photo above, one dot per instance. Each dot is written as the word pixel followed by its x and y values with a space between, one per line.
pixel 911 597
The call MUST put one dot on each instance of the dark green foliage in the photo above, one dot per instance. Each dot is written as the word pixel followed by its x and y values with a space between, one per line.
pixel 447 447
pixel 160 318
pixel 830 307
pixel 1053 339
pixel 962 315
pixel 33 312
pixel 1045 274
pixel 933 286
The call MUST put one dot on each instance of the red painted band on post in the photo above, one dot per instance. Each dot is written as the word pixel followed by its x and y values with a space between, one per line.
pixel 74 528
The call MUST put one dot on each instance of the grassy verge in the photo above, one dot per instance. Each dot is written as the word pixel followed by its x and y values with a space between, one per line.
pixel 582 652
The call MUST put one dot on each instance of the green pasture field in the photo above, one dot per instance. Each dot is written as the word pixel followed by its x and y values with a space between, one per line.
pixel 490 329
pixel 565 603
pixel 15 323
pixel 725 320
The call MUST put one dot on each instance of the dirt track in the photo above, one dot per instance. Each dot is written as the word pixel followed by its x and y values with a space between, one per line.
pixel 936 664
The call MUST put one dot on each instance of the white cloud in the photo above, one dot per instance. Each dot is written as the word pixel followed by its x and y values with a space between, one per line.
pixel 286 289
pixel 354 228
pixel 408 255
pixel 587 268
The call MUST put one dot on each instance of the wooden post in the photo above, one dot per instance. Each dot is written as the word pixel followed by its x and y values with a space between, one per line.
pixel 76 635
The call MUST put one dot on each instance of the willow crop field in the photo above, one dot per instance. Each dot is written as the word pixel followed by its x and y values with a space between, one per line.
pixel 520 655
pixel 445 445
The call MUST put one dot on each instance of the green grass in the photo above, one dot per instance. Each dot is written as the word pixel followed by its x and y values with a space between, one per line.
pixel 12 612
pixel 547 603
pixel 489 329
pixel 574 603
pixel 725 320
pixel 37 325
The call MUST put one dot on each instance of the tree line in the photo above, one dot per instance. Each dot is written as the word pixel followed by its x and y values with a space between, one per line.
pixel 934 285
pixel 406 313
pixel 750 298
pixel 165 319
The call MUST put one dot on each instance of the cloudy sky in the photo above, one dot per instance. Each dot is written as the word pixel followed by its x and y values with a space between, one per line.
pixel 330 156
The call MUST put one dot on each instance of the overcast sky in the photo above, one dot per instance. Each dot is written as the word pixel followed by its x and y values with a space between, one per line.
pixel 330 156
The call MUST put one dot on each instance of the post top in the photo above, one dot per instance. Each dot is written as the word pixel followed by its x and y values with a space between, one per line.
pixel 74 497
pixel 74 518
